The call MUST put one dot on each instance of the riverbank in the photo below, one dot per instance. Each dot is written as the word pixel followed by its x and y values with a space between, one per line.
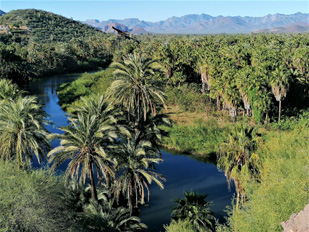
pixel 182 172
pixel 282 150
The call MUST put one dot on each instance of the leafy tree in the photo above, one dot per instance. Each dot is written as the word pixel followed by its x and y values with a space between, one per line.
pixel 152 130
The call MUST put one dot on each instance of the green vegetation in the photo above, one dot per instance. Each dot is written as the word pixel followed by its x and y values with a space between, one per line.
pixel 30 200
pixel 87 86
pixel 22 134
pixel 49 44
pixel 282 188
pixel 241 81
pixel 99 143
pixel 116 125
pixel 199 138
pixel 179 226
pixel 41 26
pixel 237 158
pixel 195 209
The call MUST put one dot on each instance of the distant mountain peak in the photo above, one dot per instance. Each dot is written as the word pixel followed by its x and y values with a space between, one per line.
pixel 207 24
pixel 135 30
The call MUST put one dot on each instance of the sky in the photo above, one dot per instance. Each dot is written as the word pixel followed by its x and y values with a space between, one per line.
pixel 157 10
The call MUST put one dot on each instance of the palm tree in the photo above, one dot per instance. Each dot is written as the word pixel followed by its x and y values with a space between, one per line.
pixel 195 209
pixel 134 86
pixel 280 85
pixel 83 143
pixel 204 70
pixel 101 215
pixel 152 130
pixel 22 134
pixel 8 90
pixel 236 156
pixel 104 112
pixel 136 171
pixel 104 216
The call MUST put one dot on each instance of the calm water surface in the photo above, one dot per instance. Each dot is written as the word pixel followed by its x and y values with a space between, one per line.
pixel 182 172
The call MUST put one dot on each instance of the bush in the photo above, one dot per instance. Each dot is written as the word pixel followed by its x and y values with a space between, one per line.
pixel 188 98
pixel 30 200
pixel 179 226
pixel 283 187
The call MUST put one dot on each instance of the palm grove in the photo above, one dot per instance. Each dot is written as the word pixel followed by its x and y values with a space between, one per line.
pixel 117 126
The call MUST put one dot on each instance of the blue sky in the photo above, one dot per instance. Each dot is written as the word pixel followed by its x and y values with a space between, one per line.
pixel 156 10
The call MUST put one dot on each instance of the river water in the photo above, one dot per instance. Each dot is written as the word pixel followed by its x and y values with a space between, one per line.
pixel 182 172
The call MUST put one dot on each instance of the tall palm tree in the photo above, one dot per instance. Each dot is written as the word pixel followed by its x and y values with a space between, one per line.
pixel 236 156
pixel 136 171
pixel 280 85
pixel 83 143
pixel 134 86
pixel 194 208
pixel 22 134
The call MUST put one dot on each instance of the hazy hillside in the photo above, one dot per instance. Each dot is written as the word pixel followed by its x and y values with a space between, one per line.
pixel 204 23
pixel 2 12
pixel 293 28
pixel 44 26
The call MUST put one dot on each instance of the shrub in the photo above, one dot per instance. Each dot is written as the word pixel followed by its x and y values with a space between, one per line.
pixel 30 200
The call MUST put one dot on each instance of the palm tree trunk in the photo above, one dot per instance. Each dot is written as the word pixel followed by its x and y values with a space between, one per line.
pixel 237 201
pixel 203 89
pixel 218 103
pixel 266 118
pixel 279 112
pixel 94 194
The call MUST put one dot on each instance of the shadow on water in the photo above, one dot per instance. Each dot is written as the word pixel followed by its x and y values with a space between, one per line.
pixel 182 172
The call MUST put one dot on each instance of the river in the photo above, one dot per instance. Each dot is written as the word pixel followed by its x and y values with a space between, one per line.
pixel 182 172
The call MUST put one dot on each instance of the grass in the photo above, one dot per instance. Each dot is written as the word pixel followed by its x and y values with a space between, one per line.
pixel 199 137
pixel 87 85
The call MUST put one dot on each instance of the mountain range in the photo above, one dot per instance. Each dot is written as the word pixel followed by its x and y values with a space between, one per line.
pixel 207 24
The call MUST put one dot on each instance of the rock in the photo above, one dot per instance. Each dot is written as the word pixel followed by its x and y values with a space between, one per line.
pixel 298 222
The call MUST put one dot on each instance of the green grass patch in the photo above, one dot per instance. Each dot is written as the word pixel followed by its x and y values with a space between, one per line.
pixel 198 138
pixel 89 84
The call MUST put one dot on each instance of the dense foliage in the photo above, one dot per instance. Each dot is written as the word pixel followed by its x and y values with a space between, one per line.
pixel 31 200
pixel 256 75
pixel 283 186
pixel 195 209
pixel 112 142
pixel 34 43
pixel 42 26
